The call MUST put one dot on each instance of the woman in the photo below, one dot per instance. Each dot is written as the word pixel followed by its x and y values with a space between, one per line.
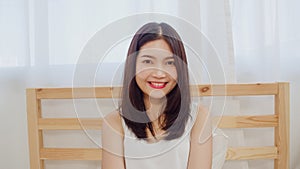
pixel 156 126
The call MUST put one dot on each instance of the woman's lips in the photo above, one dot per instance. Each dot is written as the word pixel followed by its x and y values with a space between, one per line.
pixel 157 85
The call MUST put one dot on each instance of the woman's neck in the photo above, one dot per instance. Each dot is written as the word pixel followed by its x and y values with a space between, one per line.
pixel 154 107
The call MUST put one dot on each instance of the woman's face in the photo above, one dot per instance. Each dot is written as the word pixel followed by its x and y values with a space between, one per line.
pixel 156 73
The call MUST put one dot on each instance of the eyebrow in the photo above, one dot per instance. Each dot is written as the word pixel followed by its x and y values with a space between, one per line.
pixel 152 57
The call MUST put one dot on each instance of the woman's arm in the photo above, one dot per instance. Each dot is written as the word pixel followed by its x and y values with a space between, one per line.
pixel 112 142
pixel 200 156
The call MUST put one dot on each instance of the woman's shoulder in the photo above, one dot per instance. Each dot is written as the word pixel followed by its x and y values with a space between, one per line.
pixel 113 120
pixel 202 122
pixel 202 110
pixel 199 111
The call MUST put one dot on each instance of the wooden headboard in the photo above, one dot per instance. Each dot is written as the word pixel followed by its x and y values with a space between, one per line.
pixel 279 120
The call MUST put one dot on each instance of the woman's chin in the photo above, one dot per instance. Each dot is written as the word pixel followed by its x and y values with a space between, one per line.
pixel 157 94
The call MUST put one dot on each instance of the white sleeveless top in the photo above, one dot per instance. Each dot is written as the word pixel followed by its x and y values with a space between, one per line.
pixel 164 154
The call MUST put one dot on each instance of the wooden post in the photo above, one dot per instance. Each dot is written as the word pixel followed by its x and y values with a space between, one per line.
pixel 282 132
pixel 35 137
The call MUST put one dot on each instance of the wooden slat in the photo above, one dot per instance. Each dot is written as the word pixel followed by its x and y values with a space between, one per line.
pixel 251 153
pixel 246 121
pixel 282 137
pixel 35 137
pixel 196 90
pixel 70 123
pixel 69 93
pixel 235 89
pixel 71 154
pixel 41 137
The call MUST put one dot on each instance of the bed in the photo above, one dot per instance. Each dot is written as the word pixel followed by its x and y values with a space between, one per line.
pixel 279 120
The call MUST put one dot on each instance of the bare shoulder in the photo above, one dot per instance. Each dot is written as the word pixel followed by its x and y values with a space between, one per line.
pixel 113 121
pixel 201 140
pixel 112 141
pixel 202 123
pixel 202 111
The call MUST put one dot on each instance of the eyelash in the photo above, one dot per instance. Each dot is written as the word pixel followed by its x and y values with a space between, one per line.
pixel 151 62
pixel 170 63
pixel 147 61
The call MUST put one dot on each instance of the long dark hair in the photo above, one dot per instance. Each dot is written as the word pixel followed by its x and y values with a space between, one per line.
pixel 177 109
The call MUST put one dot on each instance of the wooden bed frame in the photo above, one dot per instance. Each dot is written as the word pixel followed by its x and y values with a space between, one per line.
pixel 279 120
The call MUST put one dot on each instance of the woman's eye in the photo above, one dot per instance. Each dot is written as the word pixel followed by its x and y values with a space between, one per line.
pixel 147 61
pixel 170 63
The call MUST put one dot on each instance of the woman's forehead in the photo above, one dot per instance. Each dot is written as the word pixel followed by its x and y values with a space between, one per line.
pixel 155 53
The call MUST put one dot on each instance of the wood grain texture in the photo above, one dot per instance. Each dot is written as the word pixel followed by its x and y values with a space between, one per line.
pixel 246 121
pixel 251 153
pixel 196 90
pixel 35 137
pixel 71 154
pixel 282 132
pixel 279 120
pixel 70 123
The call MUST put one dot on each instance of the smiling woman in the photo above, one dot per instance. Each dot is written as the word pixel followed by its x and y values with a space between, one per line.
pixel 156 125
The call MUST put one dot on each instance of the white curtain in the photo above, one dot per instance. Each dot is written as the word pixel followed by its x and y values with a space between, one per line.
pixel 266 42
pixel 41 41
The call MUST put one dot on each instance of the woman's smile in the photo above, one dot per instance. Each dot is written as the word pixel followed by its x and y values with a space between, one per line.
pixel 157 85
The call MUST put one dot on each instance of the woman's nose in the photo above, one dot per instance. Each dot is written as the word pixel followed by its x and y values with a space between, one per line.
pixel 159 73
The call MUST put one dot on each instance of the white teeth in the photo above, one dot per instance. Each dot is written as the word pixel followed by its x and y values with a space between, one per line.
pixel 157 84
